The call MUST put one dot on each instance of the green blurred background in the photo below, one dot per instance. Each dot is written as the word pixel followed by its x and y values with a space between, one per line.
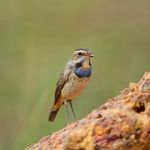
pixel 37 37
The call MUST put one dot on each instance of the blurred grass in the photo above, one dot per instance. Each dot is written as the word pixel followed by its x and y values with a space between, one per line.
pixel 36 40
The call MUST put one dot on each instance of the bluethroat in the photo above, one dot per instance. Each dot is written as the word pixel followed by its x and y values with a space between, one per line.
pixel 72 81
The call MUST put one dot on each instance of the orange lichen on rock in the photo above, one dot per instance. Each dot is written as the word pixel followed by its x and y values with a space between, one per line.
pixel 123 123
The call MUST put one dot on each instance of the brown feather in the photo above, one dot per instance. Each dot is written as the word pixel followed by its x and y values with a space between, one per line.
pixel 63 78
pixel 60 84
pixel 54 110
pixel 52 115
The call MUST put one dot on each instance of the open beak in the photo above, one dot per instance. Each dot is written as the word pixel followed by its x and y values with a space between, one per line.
pixel 91 54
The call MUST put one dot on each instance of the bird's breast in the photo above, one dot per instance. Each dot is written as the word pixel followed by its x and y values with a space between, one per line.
pixel 82 72
pixel 74 87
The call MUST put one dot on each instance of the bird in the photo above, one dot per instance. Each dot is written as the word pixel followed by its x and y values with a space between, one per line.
pixel 72 81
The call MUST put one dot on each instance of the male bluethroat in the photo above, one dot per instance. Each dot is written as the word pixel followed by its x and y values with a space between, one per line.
pixel 72 81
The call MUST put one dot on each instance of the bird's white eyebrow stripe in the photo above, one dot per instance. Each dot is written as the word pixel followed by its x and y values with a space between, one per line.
pixel 81 51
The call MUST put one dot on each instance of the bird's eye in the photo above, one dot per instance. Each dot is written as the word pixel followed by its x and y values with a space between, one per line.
pixel 80 54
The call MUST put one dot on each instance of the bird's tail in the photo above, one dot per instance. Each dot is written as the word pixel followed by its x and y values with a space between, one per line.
pixel 53 113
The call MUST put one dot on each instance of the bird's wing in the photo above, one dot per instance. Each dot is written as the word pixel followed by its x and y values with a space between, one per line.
pixel 63 78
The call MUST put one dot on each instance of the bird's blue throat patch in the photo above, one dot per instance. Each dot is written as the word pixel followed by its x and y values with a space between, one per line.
pixel 81 73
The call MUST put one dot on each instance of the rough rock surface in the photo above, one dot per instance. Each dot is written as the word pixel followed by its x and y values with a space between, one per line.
pixel 123 123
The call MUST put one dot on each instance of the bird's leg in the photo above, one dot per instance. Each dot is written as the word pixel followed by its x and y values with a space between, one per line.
pixel 66 105
pixel 72 109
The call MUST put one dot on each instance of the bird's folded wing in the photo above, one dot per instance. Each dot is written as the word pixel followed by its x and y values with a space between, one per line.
pixel 63 78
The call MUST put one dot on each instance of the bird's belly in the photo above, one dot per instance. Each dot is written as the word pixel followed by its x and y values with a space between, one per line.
pixel 74 87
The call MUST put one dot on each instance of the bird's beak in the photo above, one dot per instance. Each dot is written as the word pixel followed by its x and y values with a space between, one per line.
pixel 91 54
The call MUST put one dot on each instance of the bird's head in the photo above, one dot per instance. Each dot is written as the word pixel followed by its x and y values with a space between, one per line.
pixel 81 55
